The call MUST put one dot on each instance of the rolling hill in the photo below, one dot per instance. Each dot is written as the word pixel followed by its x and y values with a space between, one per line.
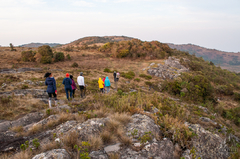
pixel 227 60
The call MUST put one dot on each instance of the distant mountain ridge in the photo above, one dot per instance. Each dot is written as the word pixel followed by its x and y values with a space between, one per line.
pixel 39 44
pixel 216 56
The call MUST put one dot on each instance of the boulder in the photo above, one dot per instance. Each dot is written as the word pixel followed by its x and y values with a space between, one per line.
pixel 26 120
pixel 63 128
pixel 158 150
pixel 208 145
pixel 98 155
pixel 56 153
pixel 89 127
pixel 170 70
pixel 142 124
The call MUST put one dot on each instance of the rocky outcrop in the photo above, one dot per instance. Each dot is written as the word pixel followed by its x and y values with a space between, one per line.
pixel 89 127
pixel 142 124
pixel 36 93
pixel 208 145
pixel 56 153
pixel 6 70
pixel 163 149
pixel 26 120
pixel 170 70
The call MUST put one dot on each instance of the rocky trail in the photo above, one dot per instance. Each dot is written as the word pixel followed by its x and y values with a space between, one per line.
pixel 137 128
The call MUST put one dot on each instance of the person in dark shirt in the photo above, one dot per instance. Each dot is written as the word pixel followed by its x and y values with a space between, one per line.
pixel 50 82
pixel 68 85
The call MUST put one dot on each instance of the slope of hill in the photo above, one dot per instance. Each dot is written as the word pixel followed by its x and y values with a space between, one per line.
pixel 216 56
pixel 39 44
pixel 185 108
pixel 97 40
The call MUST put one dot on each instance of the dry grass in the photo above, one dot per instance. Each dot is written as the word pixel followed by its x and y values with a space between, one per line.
pixel 107 137
pixel 17 129
pixel 34 129
pixel 23 155
pixel 114 156
pixel 70 140
pixel 123 118
pixel 95 142
pixel 113 126
pixel 50 146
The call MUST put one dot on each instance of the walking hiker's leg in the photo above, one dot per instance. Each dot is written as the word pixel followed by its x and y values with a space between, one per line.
pixel 84 91
pixel 66 90
pixel 71 92
pixel 49 100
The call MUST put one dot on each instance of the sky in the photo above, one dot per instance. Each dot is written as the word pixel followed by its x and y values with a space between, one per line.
pixel 212 24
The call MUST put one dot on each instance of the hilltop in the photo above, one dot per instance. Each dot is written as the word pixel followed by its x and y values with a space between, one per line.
pixel 97 40
pixel 168 104
pixel 227 60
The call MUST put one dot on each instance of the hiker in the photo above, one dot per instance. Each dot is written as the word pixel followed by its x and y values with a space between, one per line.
pixel 100 83
pixel 107 84
pixel 115 79
pixel 104 90
pixel 81 84
pixel 74 87
pixel 51 88
pixel 67 82
pixel 117 76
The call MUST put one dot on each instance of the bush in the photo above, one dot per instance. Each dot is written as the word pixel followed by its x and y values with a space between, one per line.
pixel 45 50
pixel 28 56
pixel 68 49
pixel 236 96
pixel 46 60
pixel 137 79
pixel 59 56
pixel 128 75
pixel 145 76
pixel 68 57
pixel 107 70
pixel 225 89
pixel 199 88
pixel 74 64
pixel 46 54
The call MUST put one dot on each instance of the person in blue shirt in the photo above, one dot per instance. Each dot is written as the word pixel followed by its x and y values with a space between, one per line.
pixel 50 82
pixel 107 84
pixel 68 85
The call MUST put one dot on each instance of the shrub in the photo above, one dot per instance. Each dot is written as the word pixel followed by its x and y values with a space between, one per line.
pixel 107 70
pixel 137 79
pixel 46 54
pixel 45 50
pixel 128 75
pixel 28 56
pixel 68 49
pixel 236 96
pixel 59 56
pixel 123 53
pixel 145 76
pixel 74 64
pixel 68 57
pixel 24 86
pixel 225 89
pixel 12 47
pixel 199 88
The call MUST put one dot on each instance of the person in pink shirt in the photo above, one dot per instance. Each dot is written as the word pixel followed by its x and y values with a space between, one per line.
pixel 74 87
pixel 104 84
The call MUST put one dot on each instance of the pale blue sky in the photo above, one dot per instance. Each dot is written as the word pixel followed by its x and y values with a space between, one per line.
pixel 212 24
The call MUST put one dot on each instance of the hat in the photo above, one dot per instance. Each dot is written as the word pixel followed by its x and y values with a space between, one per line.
pixel 67 74
pixel 81 73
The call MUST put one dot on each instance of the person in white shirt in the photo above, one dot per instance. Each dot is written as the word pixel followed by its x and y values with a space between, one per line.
pixel 80 81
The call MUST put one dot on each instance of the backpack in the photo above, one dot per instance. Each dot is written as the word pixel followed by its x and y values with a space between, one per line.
pixel 118 75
